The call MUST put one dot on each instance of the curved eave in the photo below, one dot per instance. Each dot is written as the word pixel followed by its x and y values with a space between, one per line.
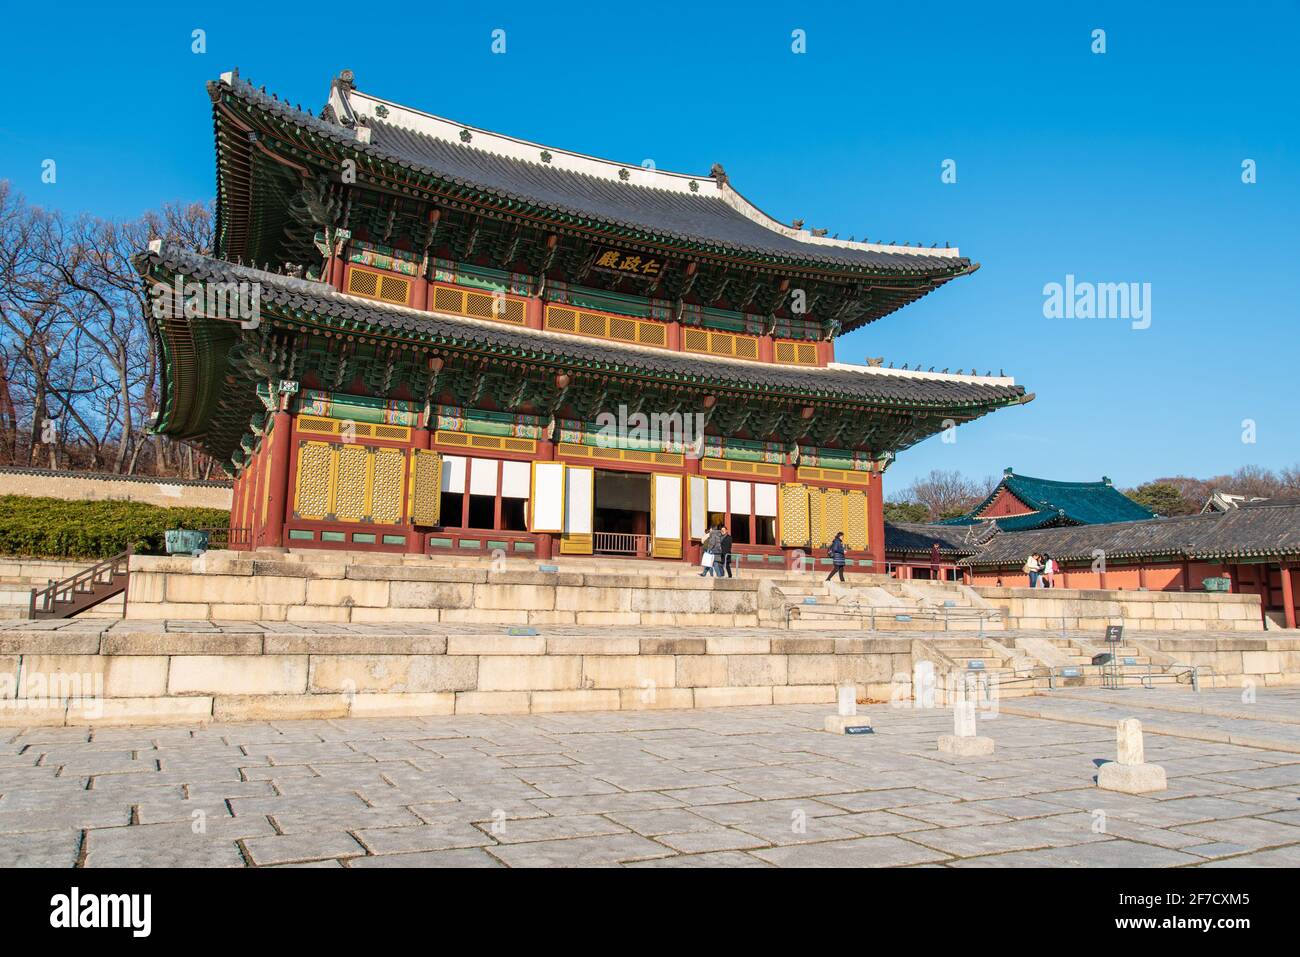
pixel 305 139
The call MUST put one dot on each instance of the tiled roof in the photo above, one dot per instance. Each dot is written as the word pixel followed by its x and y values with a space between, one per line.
pixel 1058 503
pixel 712 216
pixel 916 538
pixel 319 299
pixel 1269 529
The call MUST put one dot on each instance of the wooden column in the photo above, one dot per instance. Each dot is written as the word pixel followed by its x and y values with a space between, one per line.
pixel 876 527
pixel 277 473
pixel 1288 594
pixel 421 438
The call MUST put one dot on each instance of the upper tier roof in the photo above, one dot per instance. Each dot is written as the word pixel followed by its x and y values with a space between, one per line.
pixel 698 209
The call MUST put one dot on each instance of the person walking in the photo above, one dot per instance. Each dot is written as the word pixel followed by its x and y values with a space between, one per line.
pixel 712 549
pixel 836 555
pixel 934 561
pixel 726 552
pixel 1049 571
pixel 1033 568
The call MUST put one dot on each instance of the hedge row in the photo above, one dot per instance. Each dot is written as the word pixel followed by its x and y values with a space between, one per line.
pixel 59 528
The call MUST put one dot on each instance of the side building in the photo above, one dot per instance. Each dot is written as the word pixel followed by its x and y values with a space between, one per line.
pixel 418 336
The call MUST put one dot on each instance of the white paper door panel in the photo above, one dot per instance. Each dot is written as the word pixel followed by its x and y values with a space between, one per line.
pixel 453 473
pixel 483 477
pixel 764 499
pixel 577 513
pixel 717 495
pixel 697 487
pixel 739 498
pixel 514 479
pixel 548 497
pixel 668 506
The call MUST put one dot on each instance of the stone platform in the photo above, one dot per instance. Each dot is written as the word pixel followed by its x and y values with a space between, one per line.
pixel 87 671
pixel 736 787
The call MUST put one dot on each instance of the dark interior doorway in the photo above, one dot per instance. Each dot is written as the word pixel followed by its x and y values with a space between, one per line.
pixel 621 520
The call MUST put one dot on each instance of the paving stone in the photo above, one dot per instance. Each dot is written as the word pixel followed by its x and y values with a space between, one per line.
pixel 290 848
pixel 40 849
pixel 423 837
pixel 1111 854
pixel 466 857
pixel 580 852
pixel 863 852
pixel 172 845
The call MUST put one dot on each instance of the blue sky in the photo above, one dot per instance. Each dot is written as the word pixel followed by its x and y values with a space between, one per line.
pixel 1117 167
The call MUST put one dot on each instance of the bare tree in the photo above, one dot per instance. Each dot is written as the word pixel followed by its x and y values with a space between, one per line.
pixel 948 494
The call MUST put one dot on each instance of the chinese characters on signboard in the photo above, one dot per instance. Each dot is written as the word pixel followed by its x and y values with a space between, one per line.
pixel 633 264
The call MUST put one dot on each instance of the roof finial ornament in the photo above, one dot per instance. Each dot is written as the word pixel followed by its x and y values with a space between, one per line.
pixel 797 223
pixel 1007 472
pixel 820 232
pixel 718 173
pixel 347 80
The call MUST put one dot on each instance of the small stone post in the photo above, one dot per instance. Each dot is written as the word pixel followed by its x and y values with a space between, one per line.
pixel 1130 773
pixel 964 741
pixel 847 721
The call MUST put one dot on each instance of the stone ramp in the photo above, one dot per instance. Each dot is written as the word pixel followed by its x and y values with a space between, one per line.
pixel 1272 723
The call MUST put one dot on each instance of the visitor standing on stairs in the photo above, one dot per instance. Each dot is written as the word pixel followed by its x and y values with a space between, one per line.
pixel 712 548
pixel 726 551
pixel 836 555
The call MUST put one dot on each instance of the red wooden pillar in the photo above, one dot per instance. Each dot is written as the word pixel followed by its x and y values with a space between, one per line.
pixel 1288 594
pixel 421 438
pixel 277 472
pixel 534 312
pixel 876 527
pixel 257 487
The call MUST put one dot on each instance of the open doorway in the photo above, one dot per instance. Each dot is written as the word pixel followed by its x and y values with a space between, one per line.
pixel 621 513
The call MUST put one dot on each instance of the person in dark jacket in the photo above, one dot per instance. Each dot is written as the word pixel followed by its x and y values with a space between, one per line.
pixel 726 551
pixel 836 555
pixel 712 546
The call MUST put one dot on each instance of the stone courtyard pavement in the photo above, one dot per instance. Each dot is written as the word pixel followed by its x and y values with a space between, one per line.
pixel 745 787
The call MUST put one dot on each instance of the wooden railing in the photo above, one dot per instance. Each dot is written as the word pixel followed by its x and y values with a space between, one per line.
pixel 620 543
pixel 83 590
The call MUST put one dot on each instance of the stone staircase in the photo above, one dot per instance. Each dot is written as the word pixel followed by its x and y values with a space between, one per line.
pixel 879 603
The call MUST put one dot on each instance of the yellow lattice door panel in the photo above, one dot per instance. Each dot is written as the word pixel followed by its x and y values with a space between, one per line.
pixel 816 517
pixel 388 471
pixel 352 484
pixel 793 507
pixel 312 484
pixel 381 286
pixel 795 353
pixel 856 520
pixel 426 488
pixel 832 514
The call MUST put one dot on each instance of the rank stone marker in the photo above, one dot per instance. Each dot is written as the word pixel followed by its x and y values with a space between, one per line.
pixel 964 741
pixel 848 721
pixel 1130 773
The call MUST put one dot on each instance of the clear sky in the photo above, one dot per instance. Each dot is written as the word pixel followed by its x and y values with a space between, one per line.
pixel 1115 167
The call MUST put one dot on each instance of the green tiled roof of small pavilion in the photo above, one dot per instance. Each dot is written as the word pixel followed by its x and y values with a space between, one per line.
pixel 1057 503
